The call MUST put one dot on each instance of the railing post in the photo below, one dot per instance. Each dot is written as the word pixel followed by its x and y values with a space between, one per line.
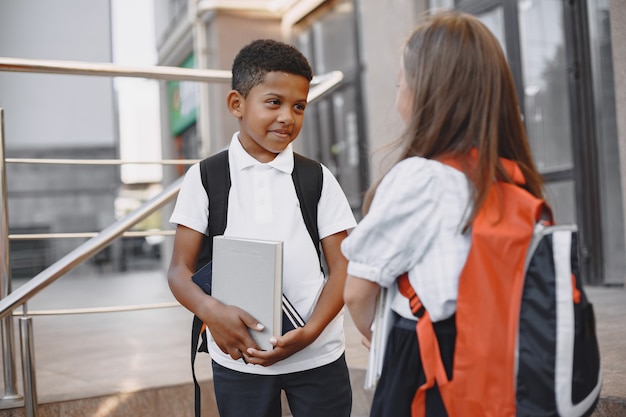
pixel 8 354
pixel 31 407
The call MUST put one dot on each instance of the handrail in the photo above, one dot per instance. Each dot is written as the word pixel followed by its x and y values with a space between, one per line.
pixel 78 235
pixel 86 250
pixel 6 333
pixel 44 161
pixel 95 310
pixel 105 69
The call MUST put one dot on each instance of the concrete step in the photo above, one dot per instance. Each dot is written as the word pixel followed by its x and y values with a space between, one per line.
pixel 172 401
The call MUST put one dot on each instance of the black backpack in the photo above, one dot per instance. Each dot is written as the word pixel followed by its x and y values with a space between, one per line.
pixel 215 174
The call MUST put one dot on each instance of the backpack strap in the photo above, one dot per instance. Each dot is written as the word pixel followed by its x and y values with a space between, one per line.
pixel 417 308
pixel 307 176
pixel 215 175
pixel 432 362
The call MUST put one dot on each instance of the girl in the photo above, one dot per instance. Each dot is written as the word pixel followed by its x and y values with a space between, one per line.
pixel 457 99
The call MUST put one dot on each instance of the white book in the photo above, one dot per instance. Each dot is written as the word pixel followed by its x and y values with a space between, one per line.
pixel 381 326
pixel 248 273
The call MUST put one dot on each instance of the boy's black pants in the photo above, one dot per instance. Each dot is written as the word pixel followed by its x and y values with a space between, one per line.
pixel 318 392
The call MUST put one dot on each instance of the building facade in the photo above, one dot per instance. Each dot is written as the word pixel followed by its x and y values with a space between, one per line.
pixel 48 116
pixel 563 58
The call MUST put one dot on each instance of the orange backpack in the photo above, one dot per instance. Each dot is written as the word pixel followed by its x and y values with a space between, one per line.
pixel 526 342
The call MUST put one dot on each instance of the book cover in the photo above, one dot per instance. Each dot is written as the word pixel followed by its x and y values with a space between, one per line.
pixel 249 274
pixel 291 318
pixel 381 326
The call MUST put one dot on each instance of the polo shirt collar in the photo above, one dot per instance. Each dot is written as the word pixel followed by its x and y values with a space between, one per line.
pixel 242 159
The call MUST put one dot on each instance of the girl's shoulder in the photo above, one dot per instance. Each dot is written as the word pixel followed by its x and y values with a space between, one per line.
pixel 425 167
pixel 429 174
pixel 415 162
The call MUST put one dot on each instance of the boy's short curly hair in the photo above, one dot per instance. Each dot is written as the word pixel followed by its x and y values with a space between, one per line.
pixel 261 56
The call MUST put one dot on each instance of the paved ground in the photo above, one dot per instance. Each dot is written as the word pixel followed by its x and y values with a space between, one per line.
pixel 80 356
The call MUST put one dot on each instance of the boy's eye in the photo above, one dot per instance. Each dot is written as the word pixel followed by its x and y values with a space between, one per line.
pixel 274 102
pixel 300 107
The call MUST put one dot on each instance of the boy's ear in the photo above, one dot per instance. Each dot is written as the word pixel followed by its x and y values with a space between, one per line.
pixel 235 103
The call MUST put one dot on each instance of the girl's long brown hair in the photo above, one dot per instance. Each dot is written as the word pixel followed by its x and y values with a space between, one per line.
pixel 464 97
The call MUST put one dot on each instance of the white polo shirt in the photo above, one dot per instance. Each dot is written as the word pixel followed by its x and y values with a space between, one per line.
pixel 262 204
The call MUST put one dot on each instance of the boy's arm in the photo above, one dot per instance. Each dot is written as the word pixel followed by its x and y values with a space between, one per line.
pixel 228 324
pixel 330 301
pixel 328 305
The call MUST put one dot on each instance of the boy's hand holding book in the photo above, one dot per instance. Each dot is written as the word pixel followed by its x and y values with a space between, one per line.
pixel 284 346
pixel 244 280
pixel 230 327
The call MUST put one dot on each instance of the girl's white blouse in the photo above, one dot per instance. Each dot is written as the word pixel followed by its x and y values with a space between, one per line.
pixel 415 224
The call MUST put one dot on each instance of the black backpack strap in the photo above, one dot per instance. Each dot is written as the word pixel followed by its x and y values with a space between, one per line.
pixel 307 175
pixel 215 175
pixel 196 330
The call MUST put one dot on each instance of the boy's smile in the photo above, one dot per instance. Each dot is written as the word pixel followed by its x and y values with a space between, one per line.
pixel 271 116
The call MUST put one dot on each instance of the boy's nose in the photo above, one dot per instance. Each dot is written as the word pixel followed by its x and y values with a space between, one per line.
pixel 285 117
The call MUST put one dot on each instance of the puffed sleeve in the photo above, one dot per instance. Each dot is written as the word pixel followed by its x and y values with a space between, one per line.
pixel 400 226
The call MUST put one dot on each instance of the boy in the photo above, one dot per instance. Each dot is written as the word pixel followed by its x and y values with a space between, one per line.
pixel 269 92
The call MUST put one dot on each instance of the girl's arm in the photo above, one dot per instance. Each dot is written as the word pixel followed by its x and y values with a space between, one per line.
pixel 360 297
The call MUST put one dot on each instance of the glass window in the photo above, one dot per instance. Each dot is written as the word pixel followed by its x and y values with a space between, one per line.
pixel 559 196
pixel 332 131
pixel 607 142
pixel 441 4
pixel 335 31
pixel 545 81
pixel 177 6
pixel 494 20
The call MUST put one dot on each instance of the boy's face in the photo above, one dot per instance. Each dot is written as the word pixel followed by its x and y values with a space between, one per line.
pixel 271 117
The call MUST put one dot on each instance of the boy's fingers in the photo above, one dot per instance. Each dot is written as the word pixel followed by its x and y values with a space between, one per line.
pixel 234 353
pixel 251 322
pixel 239 355
pixel 258 327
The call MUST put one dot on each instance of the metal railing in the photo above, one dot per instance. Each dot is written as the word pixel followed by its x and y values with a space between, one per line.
pixel 11 300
